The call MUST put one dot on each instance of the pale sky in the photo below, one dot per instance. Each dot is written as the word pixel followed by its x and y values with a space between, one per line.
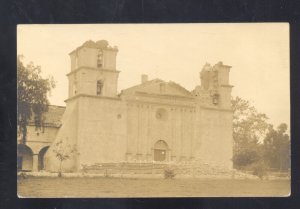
pixel 257 52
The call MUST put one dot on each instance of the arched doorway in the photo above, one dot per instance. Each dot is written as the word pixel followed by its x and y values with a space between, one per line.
pixel 24 158
pixel 41 157
pixel 160 151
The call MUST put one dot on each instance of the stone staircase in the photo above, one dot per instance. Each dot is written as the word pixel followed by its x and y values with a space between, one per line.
pixel 125 168
pixel 181 169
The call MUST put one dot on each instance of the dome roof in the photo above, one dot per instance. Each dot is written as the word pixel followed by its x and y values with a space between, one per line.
pixel 89 43
pixel 101 44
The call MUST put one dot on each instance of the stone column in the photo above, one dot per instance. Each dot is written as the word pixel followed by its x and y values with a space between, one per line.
pixel 35 163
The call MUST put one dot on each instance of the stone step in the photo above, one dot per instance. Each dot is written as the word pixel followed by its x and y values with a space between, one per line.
pixel 158 168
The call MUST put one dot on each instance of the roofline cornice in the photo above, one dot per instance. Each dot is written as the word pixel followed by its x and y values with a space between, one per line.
pixel 215 108
pixel 53 125
pixel 192 105
pixel 92 96
pixel 92 68
pixel 226 85
pixel 164 95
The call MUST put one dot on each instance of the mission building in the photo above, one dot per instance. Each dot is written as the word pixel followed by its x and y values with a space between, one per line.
pixel 154 121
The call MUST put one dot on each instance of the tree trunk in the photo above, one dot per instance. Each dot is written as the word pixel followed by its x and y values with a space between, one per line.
pixel 60 172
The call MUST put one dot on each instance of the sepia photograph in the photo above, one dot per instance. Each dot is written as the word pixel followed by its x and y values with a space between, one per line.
pixel 153 110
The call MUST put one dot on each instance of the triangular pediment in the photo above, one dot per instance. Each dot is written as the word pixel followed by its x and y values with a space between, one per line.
pixel 159 87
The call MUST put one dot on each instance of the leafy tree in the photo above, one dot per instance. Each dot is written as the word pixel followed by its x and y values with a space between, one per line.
pixel 248 124
pixel 63 151
pixel 32 99
pixel 277 148
pixel 249 129
pixel 247 155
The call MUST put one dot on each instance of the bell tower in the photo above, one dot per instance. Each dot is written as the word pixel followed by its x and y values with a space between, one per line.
pixel 93 70
pixel 92 85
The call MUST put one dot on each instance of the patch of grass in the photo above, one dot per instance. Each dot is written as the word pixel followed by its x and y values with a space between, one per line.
pixel 118 187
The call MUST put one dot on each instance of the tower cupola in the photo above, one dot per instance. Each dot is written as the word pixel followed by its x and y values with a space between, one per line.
pixel 93 69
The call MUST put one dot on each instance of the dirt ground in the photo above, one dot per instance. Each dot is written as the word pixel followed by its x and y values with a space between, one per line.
pixel 118 187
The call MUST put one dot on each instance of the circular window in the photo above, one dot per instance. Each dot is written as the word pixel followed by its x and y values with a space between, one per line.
pixel 161 114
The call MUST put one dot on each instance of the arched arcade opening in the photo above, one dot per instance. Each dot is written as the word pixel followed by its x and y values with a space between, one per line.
pixel 24 158
pixel 41 160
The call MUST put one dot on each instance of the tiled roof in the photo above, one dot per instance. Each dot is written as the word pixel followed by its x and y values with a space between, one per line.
pixel 53 116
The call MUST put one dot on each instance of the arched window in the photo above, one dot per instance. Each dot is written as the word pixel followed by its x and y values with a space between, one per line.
pixel 99 87
pixel 75 88
pixel 99 59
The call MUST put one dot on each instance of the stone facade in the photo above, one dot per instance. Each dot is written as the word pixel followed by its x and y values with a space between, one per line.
pixel 152 121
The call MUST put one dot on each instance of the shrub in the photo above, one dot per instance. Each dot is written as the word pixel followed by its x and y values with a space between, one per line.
pixel 22 175
pixel 169 173
pixel 259 170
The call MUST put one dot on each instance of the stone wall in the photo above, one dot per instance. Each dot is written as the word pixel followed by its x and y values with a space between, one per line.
pixel 151 119
pixel 215 134
pixel 102 130
pixel 68 134
pixel 38 139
